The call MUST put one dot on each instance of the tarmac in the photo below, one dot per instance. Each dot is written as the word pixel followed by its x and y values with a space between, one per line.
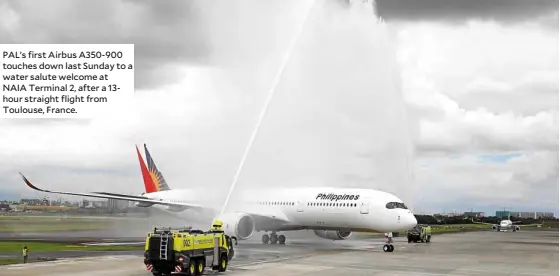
pixel 494 253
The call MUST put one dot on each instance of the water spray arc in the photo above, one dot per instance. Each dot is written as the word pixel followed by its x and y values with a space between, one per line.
pixel 275 82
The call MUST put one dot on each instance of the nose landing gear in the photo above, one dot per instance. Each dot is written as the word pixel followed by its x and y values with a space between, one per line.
pixel 388 248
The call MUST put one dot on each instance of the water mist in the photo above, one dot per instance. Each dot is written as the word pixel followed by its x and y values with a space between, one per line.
pixel 337 117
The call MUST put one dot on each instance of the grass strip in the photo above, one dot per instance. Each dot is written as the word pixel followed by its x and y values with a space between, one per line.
pixel 54 226
pixel 16 247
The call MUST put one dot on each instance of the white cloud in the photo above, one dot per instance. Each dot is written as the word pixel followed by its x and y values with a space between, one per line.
pixel 483 88
pixel 530 181
pixel 9 19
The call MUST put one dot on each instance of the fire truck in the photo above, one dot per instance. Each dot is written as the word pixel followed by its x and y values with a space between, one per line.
pixel 187 251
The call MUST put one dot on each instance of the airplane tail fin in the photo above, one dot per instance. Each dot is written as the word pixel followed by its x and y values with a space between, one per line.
pixel 153 178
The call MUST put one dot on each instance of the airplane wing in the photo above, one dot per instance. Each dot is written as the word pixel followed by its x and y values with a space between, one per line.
pixel 269 216
pixel 527 225
pixel 116 196
pixel 479 222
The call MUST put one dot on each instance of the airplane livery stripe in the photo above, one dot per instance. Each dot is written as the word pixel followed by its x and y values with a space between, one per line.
pixel 148 180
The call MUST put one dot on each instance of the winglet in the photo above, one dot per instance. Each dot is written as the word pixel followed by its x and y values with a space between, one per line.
pixel 29 183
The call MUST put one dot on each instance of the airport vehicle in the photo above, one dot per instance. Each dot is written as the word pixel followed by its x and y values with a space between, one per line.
pixel 332 213
pixel 507 224
pixel 187 251
pixel 419 233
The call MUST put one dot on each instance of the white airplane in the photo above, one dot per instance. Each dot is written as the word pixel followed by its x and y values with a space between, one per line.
pixel 507 224
pixel 332 213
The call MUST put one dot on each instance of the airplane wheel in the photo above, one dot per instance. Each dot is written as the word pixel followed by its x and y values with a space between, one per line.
pixel 265 238
pixel 282 239
pixel 392 248
pixel 386 248
pixel 273 239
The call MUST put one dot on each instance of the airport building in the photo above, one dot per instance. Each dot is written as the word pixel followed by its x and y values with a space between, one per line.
pixel 533 215
pixel 474 214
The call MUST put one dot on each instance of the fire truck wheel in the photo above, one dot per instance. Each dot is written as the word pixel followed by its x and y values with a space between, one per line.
pixel 199 267
pixel 191 269
pixel 223 263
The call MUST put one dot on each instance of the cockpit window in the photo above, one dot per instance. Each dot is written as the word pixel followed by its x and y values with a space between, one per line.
pixel 395 205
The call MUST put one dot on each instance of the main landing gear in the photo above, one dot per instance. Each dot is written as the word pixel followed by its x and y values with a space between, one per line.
pixel 273 238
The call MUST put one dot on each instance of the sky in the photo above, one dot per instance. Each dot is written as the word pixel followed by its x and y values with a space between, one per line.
pixel 451 105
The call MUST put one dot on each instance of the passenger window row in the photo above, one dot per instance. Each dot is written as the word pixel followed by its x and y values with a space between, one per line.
pixel 332 204
pixel 275 203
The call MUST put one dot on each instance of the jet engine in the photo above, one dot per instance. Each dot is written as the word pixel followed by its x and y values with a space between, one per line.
pixel 176 208
pixel 238 225
pixel 143 204
pixel 494 227
pixel 517 228
pixel 333 235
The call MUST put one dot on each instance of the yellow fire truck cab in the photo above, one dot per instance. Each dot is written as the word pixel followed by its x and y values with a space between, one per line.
pixel 186 250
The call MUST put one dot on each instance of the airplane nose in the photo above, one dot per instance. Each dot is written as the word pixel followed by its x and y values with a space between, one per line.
pixel 410 220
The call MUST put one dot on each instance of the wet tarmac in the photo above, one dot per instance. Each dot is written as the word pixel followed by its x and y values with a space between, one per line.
pixel 474 253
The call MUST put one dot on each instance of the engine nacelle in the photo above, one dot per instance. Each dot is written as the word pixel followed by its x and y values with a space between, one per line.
pixel 494 226
pixel 238 225
pixel 333 235
pixel 176 208
pixel 143 204
pixel 517 228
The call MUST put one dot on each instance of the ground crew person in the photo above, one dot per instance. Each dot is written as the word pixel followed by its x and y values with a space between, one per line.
pixel 25 254
pixel 217 226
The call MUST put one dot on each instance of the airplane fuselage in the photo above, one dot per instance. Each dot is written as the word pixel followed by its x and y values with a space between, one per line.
pixel 360 210
pixel 506 225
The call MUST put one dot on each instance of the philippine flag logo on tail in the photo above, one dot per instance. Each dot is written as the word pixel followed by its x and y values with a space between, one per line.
pixel 156 175
pixel 153 178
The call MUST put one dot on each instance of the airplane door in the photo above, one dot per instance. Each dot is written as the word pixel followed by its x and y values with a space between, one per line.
pixel 300 206
pixel 364 208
